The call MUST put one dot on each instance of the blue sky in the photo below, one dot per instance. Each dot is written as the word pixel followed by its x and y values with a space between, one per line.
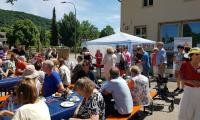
pixel 99 12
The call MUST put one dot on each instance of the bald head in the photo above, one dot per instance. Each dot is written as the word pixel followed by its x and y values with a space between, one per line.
pixel 114 72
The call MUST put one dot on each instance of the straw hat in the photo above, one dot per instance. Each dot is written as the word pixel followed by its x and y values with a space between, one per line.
pixel 194 50
pixel 30 72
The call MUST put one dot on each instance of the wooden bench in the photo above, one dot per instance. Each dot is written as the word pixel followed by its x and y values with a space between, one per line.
pixel 153 93
pixel 3 98
pixel 135 109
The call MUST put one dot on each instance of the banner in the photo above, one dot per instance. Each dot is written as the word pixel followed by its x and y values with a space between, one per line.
pixel 185 41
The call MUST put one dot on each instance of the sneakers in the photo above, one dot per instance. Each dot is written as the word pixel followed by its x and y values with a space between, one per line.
pixel 177 89
pixel 181 90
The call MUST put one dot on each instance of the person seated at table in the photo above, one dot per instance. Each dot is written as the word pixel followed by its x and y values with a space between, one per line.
pixel 78 66
pixel 85 72
pixel 32 108
pixel 117 88
pixel 52 81
pixel 2 72
pixel 56 64
pixel 139 87
pixel 5 113
pixel 31 73
pixel 93 106
pixel 38 68
pixel 20 65
pixel 86 54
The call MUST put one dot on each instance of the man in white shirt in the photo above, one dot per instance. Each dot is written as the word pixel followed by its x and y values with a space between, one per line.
pixel 119 90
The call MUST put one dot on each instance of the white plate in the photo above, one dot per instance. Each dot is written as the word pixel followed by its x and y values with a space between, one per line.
pixel 71 92
pixel 74 99
pixel 67 104
pixel 55 95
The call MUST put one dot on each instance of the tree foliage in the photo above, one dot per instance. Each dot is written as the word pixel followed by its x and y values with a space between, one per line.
pixel 44 37
pixel 108 30
pixel 54 30
pixel 24 32
pixel 87 31
pixel 10 17
pixel 11 1
pixel 67 27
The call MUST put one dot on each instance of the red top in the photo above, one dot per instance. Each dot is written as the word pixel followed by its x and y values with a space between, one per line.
pixel 99 57
pixel 187 72
pixel 153 59
pixel 20 65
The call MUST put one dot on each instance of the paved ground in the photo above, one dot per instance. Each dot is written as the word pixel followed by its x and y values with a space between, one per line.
pixel 161 112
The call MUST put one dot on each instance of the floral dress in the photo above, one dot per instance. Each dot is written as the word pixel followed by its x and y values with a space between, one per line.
pixel 94 106
pixel 140 92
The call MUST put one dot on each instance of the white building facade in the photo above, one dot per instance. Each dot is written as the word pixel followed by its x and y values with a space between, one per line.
pixel 162 20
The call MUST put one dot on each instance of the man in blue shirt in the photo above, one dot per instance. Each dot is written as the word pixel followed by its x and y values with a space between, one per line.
pixel 145 61
pixel 52 80
pixel 161 59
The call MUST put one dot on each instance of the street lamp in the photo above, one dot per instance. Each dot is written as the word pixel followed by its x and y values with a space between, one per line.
pixel 75 23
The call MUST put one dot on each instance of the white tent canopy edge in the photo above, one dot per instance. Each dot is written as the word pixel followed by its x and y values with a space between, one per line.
pixel 116 39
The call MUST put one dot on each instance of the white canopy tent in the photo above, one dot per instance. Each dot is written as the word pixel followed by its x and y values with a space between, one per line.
pixel 115 39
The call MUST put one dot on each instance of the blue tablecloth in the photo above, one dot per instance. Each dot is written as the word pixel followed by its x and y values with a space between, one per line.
pixel 9 82
pixel 58 112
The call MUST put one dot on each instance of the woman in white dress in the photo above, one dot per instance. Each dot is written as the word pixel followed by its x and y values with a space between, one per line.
pixel 109 61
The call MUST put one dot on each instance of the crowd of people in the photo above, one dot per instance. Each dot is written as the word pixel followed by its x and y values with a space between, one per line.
pixel 45 74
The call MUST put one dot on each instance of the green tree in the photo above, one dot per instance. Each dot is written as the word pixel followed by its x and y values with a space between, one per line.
pixel 25 32
pixel 44 37
pixel 67 27
pixel 9 34
pixel 87 31
pixel 108 30
pixel 54 30
pixel 11 1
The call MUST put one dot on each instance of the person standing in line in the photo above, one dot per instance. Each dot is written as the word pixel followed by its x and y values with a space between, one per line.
pixel 65 73
pixel 109 61
pixel 153 61
pixel 145 61
pixel 178 62
pixel 161 59
pixel 128 60
pixel 190 75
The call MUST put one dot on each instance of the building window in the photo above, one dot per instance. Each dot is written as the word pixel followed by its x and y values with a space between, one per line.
pixel 141 31
pixel 148 3
pixel 192 29
pixel 167 34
